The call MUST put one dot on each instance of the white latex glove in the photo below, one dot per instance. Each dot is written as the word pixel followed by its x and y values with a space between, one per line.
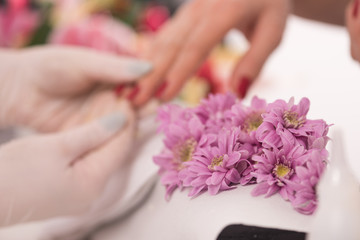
pixel 60 174
pixel 52 88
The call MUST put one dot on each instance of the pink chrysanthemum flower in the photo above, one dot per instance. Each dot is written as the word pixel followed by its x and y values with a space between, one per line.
pixel 248 118
pixel 305 199
pixel 274 167
pixel 245 168
pixel 212 112
pixel 285 121
pixel 182 130
pixel 172 114
pixel 222 144
pixel 283 117
pixel 18 22
pixel 216 168
pixel 318 138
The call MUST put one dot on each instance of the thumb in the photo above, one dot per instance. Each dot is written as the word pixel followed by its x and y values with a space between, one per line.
pixel 266 37
pixel 78 142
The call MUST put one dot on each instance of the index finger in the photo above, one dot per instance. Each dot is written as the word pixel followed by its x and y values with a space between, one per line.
pixel 166 48
pixel 211 29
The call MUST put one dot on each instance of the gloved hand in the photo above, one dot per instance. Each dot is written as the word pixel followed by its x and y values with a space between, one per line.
pixel 54 88
pixel 59 174
pixel 184 42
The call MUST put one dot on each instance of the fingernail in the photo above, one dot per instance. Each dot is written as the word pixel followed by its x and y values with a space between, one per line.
pixel 243 86
pixel 133 93
pixel 355 8
pixel 160 90
pixel 118 90
pixel 113 122
pixel 139 68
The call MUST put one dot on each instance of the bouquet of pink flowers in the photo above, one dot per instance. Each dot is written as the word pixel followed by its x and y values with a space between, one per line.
pixel 222 144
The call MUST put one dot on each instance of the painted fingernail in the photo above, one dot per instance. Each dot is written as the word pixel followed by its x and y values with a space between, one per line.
pixel 113 122
pixel 160 90
pixel 133 93
pixel 355 8
pixel 243 86
pixel 118 90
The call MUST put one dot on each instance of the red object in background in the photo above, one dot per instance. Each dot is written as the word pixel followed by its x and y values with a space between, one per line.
pixel 154 18
pixel 17 4
pixel 206 72
pixel 17 23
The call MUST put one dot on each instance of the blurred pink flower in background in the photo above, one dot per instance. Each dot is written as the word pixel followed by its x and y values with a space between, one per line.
pixel 100 32
pixel 17 23
pixel 154 17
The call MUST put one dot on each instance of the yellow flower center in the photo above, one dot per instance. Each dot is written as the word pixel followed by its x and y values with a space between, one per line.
pixel 252 122
pixel 281 170
pixel 216 161
pixel 186 150
pixel 292 119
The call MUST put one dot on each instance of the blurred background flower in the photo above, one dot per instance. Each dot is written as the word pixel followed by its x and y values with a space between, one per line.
pixel 18 20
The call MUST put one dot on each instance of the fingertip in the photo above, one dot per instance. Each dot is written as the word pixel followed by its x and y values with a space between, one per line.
pixel 141 97
pixel 355 8
pixel 168 95
pixel 139 68
pixel 133 93
pixel 119 89
pixel 126 108
pixel 146 93
pixel 160 90
pixel 83 139
pixel 113 122
pixel 141 101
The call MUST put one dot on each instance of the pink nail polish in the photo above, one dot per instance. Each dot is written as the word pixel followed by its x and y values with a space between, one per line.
pixel 133 93
pixel 160 90
pixel 243 86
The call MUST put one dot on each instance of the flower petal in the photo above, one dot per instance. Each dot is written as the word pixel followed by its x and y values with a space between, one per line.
pixel 233 176
pixel 214 189
pixel 217 177
pixel 260 189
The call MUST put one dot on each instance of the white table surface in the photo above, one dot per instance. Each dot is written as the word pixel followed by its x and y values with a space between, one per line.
pixel 312 61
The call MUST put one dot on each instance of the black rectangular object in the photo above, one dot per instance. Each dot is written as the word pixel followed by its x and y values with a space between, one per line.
pixel 244 232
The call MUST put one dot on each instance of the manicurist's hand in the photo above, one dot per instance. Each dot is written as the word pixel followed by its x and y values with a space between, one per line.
pixel 185 41
pixel 60 174
pixel 54 88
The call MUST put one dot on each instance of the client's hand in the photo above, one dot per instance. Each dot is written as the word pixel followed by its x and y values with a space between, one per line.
pixel 185 41
pixel 353 26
